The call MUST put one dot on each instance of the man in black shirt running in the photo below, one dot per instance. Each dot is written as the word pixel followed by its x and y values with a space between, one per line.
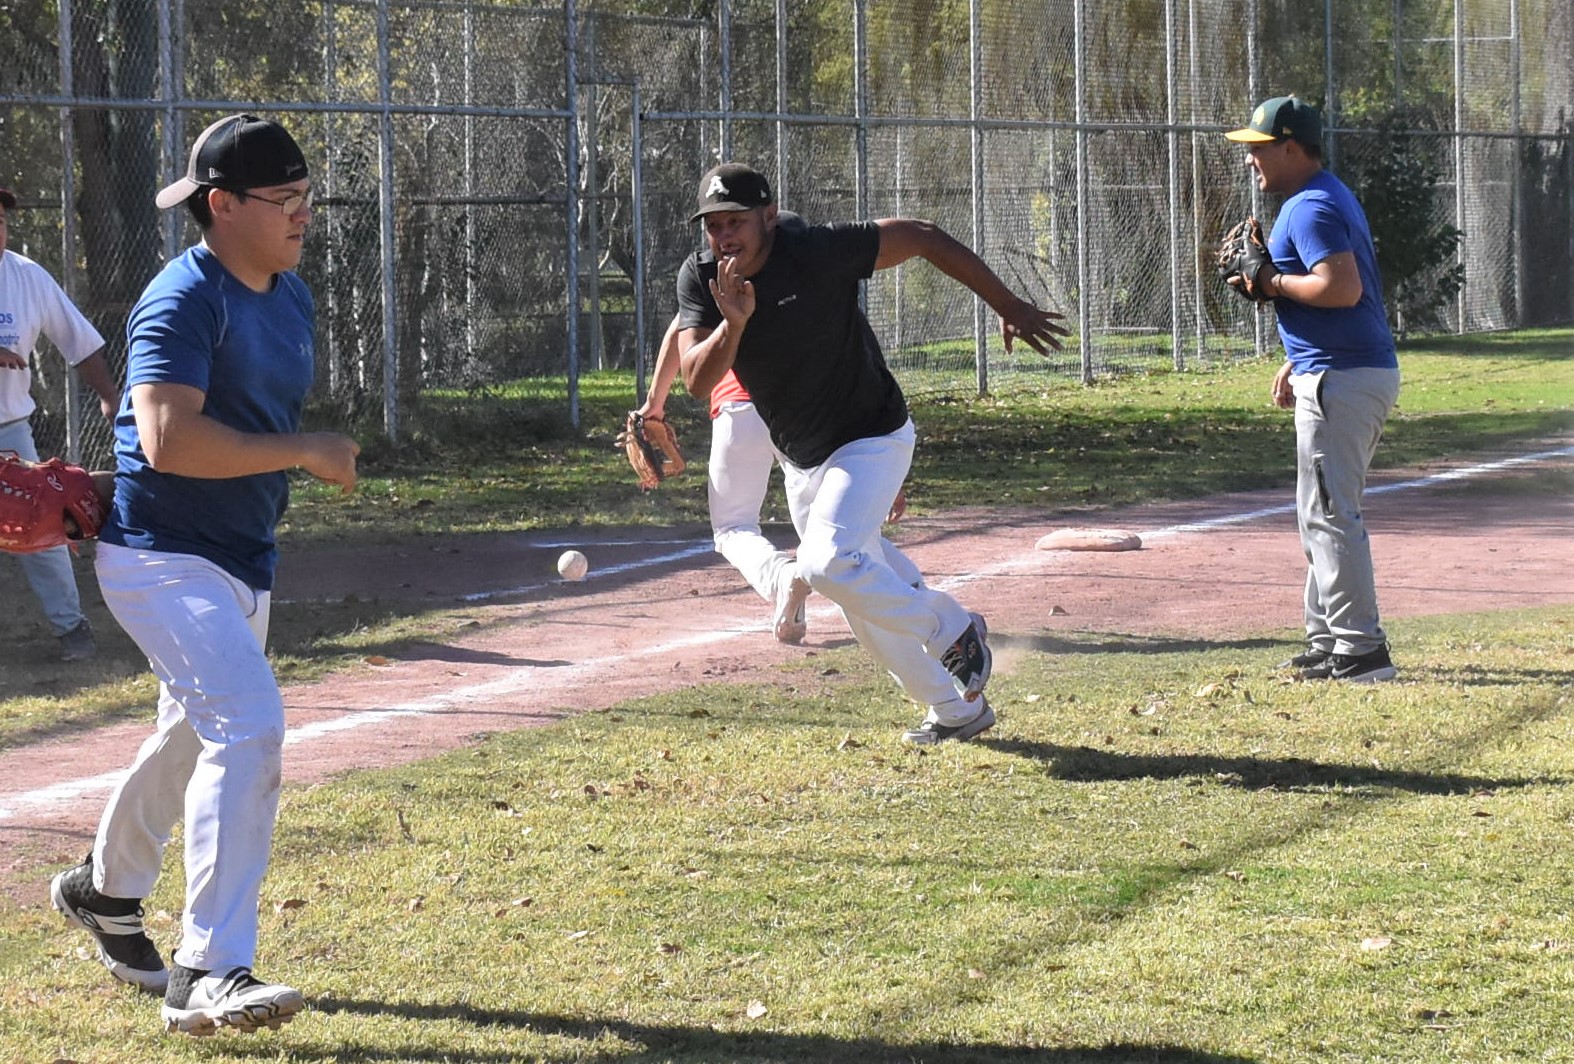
pixel 781 310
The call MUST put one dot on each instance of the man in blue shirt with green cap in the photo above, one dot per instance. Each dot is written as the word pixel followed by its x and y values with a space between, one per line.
pixel 1341 377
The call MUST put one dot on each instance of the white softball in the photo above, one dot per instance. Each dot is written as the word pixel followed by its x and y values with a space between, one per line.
pixel 573 565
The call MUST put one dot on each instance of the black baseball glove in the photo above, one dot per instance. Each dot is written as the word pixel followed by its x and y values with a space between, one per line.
pixel 1243 254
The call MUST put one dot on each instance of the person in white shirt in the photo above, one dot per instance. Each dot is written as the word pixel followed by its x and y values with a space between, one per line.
pixel 33 305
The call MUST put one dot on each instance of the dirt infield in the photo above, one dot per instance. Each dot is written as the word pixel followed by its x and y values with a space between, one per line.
pixel 663 612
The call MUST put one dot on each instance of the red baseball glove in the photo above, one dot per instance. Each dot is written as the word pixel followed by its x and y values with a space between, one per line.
pixel 46 504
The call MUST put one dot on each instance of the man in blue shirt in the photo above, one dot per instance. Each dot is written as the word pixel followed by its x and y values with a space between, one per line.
pixel 1341 376
pixel 219 361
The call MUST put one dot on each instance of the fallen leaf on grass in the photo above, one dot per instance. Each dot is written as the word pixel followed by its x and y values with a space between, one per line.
pixel 517 903
pixel 575 936
pixel 1374 943
pixel 669 948
pixel 1239 877
pixel 974 973
pixel 848 743
pixel 287 904
pixel 416 904
pixel 755 1010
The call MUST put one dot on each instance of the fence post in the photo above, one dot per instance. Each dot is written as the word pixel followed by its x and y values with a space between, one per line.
pixel 781 103
pixel 1459 160
pixel 637 190
pixel 1080 93
pixel 469 178
pixel 68 223
pixel 385 168
pixel 861 108
pixel 724 35
pixel 170 48
pixel 571 200
pixel 1516 169
pixel 1172 164
pixel 976 144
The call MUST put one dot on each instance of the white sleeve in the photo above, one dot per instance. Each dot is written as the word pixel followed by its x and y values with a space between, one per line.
pixel 62 322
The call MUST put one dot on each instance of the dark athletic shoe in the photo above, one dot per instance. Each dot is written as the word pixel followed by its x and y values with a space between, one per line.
pixel 1309 658
pixel 77 644
pixel 969 660
pixel 114 923
pixel 1371 667
pixel 932 732
pixel 199 1003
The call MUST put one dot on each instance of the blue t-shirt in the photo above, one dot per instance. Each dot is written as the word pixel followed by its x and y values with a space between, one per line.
pixel 1324 218
pixel 251 354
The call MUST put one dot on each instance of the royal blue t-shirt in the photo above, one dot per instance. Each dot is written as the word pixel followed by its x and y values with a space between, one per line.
pixel 251 354
pixel 1324 218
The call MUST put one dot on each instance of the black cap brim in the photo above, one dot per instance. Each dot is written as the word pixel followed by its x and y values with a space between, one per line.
pixel 718 208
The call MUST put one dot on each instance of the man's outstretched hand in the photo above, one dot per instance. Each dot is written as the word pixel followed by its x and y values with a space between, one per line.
pixel 1039 329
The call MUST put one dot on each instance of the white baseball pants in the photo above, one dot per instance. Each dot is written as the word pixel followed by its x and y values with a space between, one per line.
pixel 739 472
pixel 1339 419
pixel 215 758
pixel 838 508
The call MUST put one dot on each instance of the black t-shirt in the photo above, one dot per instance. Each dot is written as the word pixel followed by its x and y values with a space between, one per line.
pixel 807 356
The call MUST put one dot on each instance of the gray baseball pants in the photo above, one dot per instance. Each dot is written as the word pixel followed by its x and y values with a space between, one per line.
pixel 1339 416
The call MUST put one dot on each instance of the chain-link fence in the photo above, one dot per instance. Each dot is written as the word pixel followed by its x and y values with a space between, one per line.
pixel 484 168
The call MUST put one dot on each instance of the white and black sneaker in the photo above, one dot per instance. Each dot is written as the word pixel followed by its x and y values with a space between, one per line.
pixel 931 732
pixel 791 621
pixel 114 923
pixel 969 660
pixel 199 1003
pixel 1374 666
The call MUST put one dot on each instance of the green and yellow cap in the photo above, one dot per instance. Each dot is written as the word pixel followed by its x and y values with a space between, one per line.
pixel 1282 118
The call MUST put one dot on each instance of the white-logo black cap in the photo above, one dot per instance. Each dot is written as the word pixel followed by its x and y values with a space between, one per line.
pixel 732 187
pixel 238 152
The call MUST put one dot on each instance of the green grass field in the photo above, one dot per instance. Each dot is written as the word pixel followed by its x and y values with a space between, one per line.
pixel 1164 853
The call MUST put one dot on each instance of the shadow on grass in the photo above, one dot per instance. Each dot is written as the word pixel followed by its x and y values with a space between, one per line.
pixel 1088 642
pixel 1083 764
pixel 706 1044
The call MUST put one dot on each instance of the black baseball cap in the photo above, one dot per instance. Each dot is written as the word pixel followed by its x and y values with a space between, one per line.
pixel 238 152
pixel 732 187
pixel 1282 118
pixel 7 199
